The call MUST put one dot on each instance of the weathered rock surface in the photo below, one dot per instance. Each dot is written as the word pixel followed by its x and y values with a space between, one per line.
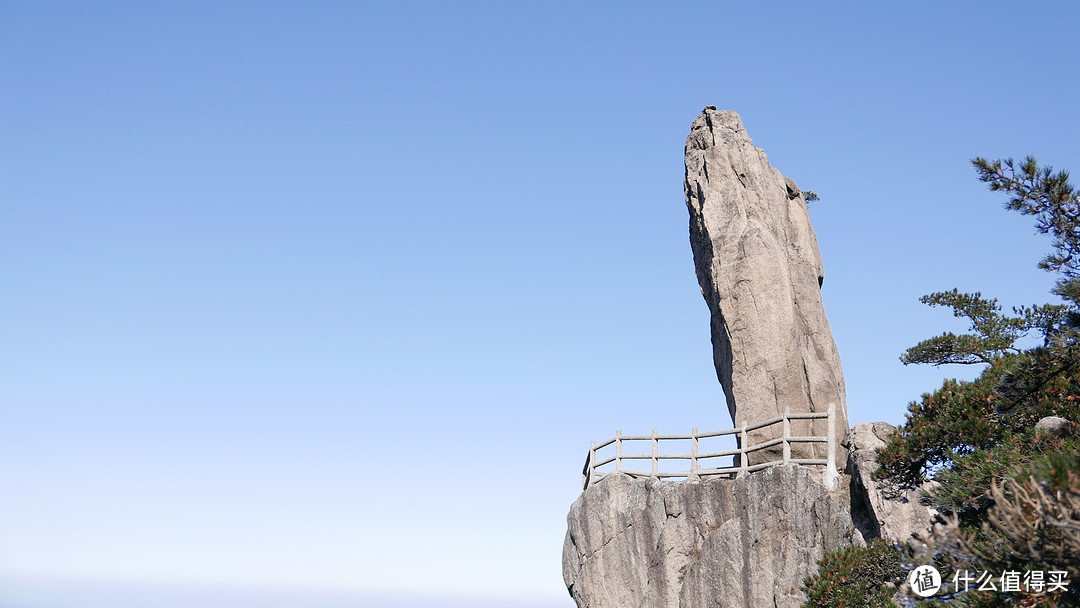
pixel 746 542
pixel 878 510
pixel 760 272
pixel 1055 425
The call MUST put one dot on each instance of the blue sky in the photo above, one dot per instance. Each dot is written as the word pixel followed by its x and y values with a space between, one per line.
pixel 328 301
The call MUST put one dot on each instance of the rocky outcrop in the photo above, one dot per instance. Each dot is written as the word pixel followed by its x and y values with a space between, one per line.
pixel 760 272
pixel 750 541
pixel 878 509
pixel 719 542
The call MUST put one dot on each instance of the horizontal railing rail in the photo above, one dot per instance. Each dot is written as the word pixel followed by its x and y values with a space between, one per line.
pixel 740 464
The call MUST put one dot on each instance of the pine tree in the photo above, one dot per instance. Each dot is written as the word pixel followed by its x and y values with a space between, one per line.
pixel 1011 498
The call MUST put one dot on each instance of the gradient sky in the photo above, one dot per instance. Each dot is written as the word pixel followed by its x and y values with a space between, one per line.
pixel 328 301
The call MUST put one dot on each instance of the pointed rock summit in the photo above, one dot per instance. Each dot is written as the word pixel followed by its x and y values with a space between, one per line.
pixel 750 540
pixel 760 272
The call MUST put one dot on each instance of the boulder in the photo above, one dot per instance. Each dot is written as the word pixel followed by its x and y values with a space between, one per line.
pixel 760 272
pixel 1054 425
pixel 879 510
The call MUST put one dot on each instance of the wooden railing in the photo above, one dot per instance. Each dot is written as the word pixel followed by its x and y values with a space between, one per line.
pixel 740 463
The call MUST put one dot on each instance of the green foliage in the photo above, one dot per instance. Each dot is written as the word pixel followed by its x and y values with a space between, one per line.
pixel 1011 495
pixel 977 430
pixel 1033 525
pixel 994 334
pixel 950 423
pixel 962 488
pixel 811 196
pixel 1047 195
pixel 856 576
pixel 1035 520
pixel 1043 382
pixel 966 434
pixel 1055 203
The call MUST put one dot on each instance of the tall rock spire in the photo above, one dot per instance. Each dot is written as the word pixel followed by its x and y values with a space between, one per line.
pixel 760 272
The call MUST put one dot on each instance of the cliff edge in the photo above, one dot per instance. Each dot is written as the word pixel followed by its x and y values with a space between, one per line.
pixel 719 542
pixel 723 543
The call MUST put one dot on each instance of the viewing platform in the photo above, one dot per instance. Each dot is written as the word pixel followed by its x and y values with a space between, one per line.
pixel 597 457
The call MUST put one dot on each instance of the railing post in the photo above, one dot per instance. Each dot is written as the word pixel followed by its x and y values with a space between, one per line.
pixel 830 458
pixel 787 434
pixel 742 450
pixel 591 469
pixel 829 478
pixel 693 452
pixel 655 451
pixel 618 450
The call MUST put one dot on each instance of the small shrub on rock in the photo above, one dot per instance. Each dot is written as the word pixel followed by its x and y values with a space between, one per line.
pixel 856 576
